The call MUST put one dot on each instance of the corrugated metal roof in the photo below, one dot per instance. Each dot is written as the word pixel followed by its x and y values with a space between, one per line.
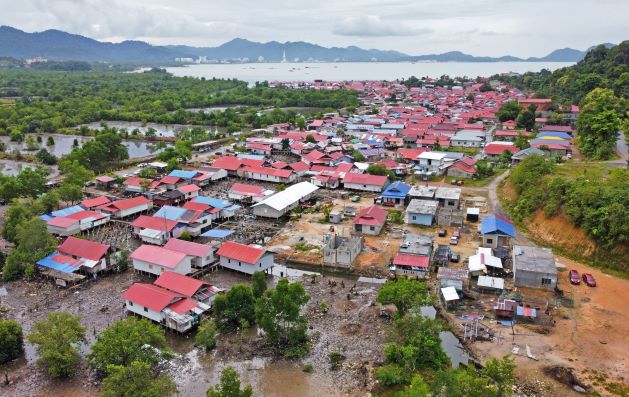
pixel 60 263
pixel 494 224
pixel 240 252
pixel 158 255
pixel 83 248
pixel 217 233
pixel 183 174
pixel 188 247
pixel 288 197
pixel 491 282
pixel 449 294
pixel 150 296
pixel 179 283
pixel 68 211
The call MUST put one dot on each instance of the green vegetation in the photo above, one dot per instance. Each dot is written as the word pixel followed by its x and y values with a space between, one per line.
pixel 396 217
pixel 206 334
pixel 229 386
pixel 56 339
pixel 258 284
pixel 128 341
pixel 278 313
pixel 235 309
pixel 11 340
pixel 33 242
pixel 598 124
pixel 405 294
pixel 508 111
pixel 379 169
pixel 50 101
pixel 305 247
pixel 308 368
pixel 136 379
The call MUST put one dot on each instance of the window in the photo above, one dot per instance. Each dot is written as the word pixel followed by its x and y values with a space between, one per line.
pixel 414 218
pixel 146 309
pixel 229 261
pixel 150 266
pixel 130 303
pixel 546 281
pixel 490 241
pixel 239 264
pixel 372 227
pixel 451 202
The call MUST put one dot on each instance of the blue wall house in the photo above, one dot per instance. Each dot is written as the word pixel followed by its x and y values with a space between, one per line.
pixel 497 232
pixel 421 212
pixel 397 192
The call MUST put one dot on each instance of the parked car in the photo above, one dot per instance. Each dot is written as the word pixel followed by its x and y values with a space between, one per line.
pixel 388 204
pixel 454 241
pixel 455 257
pixel 443 232
pixel 457 233
pixel 589 280
pixel 574 277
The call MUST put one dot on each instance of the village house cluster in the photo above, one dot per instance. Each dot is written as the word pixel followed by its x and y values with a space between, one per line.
pixel 221 211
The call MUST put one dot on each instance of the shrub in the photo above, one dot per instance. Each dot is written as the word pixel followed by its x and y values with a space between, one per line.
pixel 391 375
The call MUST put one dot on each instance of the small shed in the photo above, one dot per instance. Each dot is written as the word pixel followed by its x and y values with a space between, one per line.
pixel 497 231
pixel 472 214
pixel 490 284
pixel 335 217
pixel 449 297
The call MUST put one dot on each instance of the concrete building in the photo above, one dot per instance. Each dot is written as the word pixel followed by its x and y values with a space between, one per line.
pixel 341 251
pixel 421 212
pixel 370 220
pixel 422 192
pixel 410 265
pixel 496 232
pixel 448 197
pixel 534 267
pixel 417 244
pixel 468 138
pixel 283 202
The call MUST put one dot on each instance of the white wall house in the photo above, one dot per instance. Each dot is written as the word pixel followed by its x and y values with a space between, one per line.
pixel 244 258
pixel 156 260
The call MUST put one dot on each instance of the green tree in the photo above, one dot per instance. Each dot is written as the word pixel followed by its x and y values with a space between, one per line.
pixel 185 236
pixel 44 157
pixel 521 142
pixel 49 201
pixel 598 124
pixel 57 339
pixel 147 173
pixel 258 284
pixel 15 215
pixel 50 141
pixel 136 380
pixel 508 111
pixel 358 156
pixel 526 120
pixel 33 242
pixel 234 307
pixel 11 341
pixel 278 313
pixel 31 143
pixel 378 169
pixel 404 293
pixel 500 371
pixel 229 386
pixel 417 388
pixel 462 383
pixel 184 149
pixel 310 139
pixel 127 341
pixel 206 334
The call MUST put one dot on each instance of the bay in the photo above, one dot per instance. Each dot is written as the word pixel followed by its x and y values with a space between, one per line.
pixel 343 71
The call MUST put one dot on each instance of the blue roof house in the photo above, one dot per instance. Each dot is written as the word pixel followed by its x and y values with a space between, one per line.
pixel 497 232
pixel 397 192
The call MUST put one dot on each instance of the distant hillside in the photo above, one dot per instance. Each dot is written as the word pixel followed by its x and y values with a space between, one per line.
pixel 59 46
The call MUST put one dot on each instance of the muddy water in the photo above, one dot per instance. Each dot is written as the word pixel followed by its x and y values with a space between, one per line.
pixel 64 145
pixel 450 344
pixel 11 167
pixel 164 130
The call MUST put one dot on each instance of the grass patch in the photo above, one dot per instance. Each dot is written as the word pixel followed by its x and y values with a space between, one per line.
pixel 470 151
pixel 574 169
pixel 305 247
pixel 478 182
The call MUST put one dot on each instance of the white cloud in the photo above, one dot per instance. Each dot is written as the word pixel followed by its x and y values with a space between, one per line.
pixel 374 26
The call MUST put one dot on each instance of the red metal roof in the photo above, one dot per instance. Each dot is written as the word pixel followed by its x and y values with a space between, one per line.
pixel 105 179
pixel 269 171
pixel 411 260
pixel 462 166
pixel 83 248
pixel 170 180
pixel 299 166
pixel 371 216
pixel 183 306
pixel 158 255
pixel 134 181
pixel 94 202
pixel 497 149
pixel 154 223
pixel 240 252
pixel 179 283
pixel 150 296
pixel 189 188
pixel 126 203
pixel 365 179
pixel 259 146
pixel 228 163
pixel 188 247
pixel 85 214
pixel 62 221
pixel 243 188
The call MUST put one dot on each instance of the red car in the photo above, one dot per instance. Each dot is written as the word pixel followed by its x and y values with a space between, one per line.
pixel 589 280
pixel 388 204
pixel 574 277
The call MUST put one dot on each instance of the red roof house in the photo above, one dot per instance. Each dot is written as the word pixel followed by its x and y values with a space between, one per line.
pixel 244 258
pixel 370 220
pixel 155 260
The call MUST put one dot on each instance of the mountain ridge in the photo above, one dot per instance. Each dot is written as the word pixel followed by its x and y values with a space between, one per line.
pixel 58 45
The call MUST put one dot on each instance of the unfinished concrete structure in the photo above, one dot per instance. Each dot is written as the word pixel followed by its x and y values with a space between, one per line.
pixel 450 217
pixel 341 251
pixel 534 267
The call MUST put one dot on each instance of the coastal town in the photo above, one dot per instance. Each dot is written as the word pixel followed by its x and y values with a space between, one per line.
pixel 408 185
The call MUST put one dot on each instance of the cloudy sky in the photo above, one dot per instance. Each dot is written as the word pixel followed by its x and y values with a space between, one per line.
pixel 478 27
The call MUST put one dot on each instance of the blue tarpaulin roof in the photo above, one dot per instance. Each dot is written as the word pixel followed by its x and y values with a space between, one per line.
pixel 46 217
pixel 214 202
pixel 183 174
pixel 170 212
pixel 49 262
pixel 67 211
pixel 494 224
pixel 217 233
pixel 397 189
pixel 557 134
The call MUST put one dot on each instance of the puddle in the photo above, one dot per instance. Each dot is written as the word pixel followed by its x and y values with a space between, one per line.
pixel 12 168
pixel 450 344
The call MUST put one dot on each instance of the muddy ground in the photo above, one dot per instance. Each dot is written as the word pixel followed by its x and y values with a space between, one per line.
pixel 351 326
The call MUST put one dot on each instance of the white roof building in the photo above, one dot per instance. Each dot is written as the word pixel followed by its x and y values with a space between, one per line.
pixel 283 202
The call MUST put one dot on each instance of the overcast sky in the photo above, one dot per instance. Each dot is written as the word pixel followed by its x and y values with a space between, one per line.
pixel 478 27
